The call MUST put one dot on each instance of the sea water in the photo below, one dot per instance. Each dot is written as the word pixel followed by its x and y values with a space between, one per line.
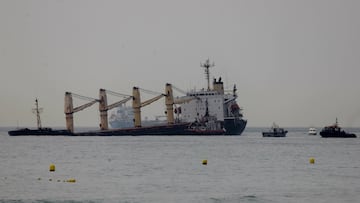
pixel 247 168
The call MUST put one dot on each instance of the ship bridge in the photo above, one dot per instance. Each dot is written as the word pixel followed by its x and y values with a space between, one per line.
pixel 203 93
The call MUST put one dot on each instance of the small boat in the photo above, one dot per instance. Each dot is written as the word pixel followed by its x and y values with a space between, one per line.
pixel 40 130
pixel 312 131
pixel 275 131
pixel 335 131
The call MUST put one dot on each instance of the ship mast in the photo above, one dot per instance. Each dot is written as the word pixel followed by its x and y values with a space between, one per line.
pixel 37 111
pixel 207 65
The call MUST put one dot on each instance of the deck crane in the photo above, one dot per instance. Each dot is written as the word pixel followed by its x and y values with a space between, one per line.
pixel 69 109
pixel 104 107
pixel 137 104
pixel 169 103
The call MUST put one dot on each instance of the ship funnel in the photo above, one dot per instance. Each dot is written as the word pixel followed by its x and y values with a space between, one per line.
pixel 218 86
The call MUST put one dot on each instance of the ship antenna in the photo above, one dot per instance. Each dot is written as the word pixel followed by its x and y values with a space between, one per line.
pixel 207 65
pixel 336 122
pixel 37 111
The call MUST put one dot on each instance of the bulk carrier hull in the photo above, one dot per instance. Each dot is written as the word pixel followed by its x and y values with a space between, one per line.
pixel 232 127
pixel 159 130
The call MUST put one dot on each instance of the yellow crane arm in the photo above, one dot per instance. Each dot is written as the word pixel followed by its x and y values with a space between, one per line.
pixel 84 106
pixel 116 104
pixel 145 103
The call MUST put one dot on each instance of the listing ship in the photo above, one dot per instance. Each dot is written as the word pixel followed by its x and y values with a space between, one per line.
pixel 208 111
pixel 40 130
pixel 335 131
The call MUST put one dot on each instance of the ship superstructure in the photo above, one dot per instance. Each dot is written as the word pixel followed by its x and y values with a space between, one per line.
pixel 213 102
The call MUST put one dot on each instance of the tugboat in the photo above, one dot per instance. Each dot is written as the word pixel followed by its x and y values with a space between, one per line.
pixel 40 130
pixel 335 131
pixel 275 131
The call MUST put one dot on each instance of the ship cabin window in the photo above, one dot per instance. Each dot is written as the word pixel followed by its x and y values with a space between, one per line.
pixel 203 94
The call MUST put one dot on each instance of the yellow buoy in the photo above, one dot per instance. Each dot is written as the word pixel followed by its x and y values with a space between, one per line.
pixel 52 168
pixel 71 180
pixel 204 162
pixel 312 160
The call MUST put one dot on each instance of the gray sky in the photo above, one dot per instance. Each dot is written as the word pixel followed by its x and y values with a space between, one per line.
pixel 294 62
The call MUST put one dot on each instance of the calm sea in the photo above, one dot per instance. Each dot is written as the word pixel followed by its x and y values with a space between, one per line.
pixel 247 168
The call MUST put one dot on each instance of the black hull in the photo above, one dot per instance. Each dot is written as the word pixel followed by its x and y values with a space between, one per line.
pixel 39 132
pixel 161 130
pixel 234 126
pixel 175 129
pixel 271 134
pixel 337 135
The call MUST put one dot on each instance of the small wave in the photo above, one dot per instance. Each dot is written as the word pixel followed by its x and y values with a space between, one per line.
pixel 242 199
pixel 51 201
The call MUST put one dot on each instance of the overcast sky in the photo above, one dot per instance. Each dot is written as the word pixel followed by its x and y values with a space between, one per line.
pixel 295 63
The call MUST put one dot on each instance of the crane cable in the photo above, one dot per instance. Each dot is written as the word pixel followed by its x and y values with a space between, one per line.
pixel 117 94
pixel 150 91
pixel 179 90
pixel 83 97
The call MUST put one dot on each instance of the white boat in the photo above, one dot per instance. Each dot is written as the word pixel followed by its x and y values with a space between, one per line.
pixel 312 131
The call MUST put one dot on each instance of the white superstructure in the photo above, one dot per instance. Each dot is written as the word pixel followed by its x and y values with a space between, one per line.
pixel 196 109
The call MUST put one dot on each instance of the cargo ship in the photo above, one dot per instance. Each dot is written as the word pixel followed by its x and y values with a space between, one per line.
pixel 213 106
pixel 211 111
